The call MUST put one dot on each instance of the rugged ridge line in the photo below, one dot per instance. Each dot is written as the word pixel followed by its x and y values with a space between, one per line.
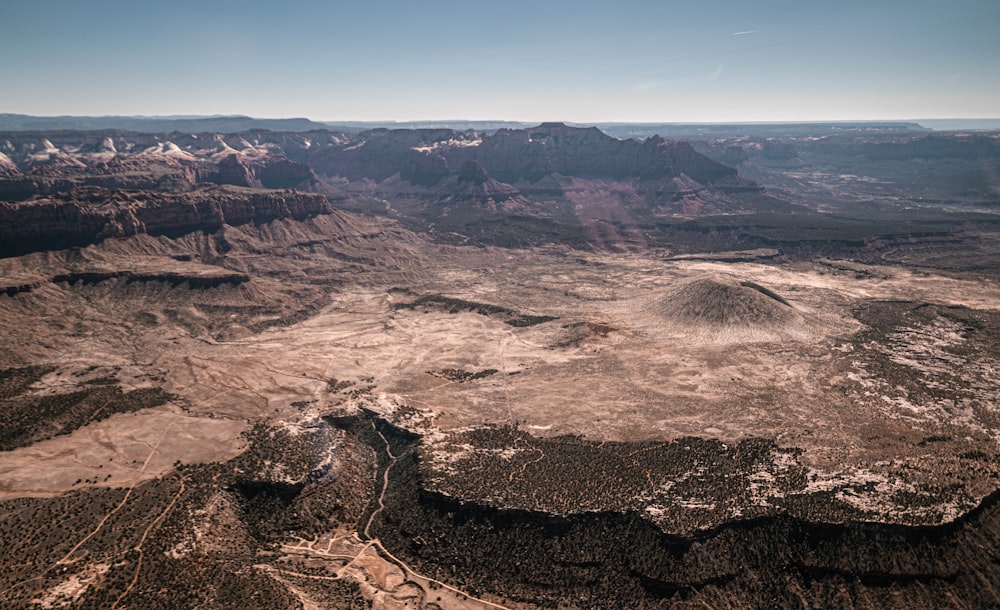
pixel 87 215
pixel 195 281
pixel 427 156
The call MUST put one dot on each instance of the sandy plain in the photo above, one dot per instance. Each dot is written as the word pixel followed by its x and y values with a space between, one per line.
pixel 612 365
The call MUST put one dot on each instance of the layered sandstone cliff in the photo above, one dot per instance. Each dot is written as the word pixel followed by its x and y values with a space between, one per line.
pixel 86 215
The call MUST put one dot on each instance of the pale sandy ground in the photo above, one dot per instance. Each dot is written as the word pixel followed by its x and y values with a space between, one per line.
pixel 648 379
pixel 116 451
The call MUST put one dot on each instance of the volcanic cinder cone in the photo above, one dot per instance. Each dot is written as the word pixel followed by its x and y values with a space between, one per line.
pixel 729 310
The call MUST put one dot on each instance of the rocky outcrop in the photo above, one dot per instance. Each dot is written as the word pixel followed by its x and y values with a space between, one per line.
pixel 270 173
pixel 8 169
pixel 423 169
pixel 518 155
pixel 48 163
pixel 474 187
pixel 381 153
pixel 51 163
pixel 84 216
pixel 220 277
pixel 283 173
pixel 473 173
pixel 470 186
pixel 233 171
pixel 530 154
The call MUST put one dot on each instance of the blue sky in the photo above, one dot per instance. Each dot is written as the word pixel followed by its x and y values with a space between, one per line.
pixel 734 60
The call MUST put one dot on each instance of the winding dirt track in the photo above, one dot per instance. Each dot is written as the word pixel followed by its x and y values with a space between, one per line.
pixel 66 559
pixel 145 534
pixel 375 542
pixel 385 482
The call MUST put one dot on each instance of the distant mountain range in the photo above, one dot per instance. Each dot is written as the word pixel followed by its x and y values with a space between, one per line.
pixel 238 123
pixel 154 124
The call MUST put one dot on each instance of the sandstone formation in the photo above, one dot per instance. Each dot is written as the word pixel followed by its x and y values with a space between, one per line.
pixel 425 156
pixel 86 215
pixel 47 163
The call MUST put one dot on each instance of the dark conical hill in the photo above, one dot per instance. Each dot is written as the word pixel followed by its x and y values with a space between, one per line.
pixel 723 302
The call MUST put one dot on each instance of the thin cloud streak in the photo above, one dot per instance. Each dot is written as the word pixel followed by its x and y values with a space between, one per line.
pixel 351 60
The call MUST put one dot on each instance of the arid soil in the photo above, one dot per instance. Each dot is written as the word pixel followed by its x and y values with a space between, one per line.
pixel 866 393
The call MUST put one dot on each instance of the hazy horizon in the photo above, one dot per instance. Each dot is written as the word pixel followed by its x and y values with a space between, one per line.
pixel 222 115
